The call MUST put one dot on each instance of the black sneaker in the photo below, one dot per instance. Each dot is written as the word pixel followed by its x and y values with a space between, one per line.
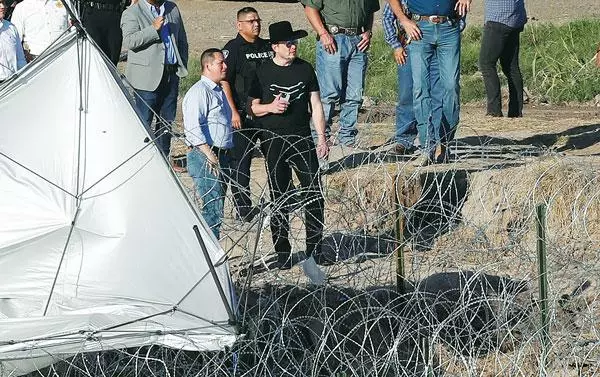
pixel 323 260
pixel 285 262
pixel 281 265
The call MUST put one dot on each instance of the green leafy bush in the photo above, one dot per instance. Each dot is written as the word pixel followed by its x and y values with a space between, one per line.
pixel 556 61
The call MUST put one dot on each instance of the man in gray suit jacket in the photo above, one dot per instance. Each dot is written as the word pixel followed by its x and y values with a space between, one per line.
pixel 153 33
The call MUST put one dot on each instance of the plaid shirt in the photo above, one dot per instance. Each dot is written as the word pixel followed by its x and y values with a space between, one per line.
pixel 508 12
pixel 394 33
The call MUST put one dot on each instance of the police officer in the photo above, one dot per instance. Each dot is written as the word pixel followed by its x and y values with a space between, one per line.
pixel 243 55
pixel 102 19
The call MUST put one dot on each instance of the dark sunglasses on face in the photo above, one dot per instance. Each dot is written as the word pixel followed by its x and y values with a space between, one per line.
pixel 257 20
pixel 291 43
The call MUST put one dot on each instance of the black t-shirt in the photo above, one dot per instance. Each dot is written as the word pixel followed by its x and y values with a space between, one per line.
pixel 242 59
pixel 296 81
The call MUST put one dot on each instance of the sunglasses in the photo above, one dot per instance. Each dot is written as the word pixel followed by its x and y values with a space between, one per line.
pixel 257 20
pixel 289 44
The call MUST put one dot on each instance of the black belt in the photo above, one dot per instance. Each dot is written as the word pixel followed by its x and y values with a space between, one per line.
pixel 216 150
pixel 433 19
pixel 334 29
pixel 104 6
pixel 171 68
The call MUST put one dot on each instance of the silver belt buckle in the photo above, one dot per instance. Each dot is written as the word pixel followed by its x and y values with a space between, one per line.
pixel 435 19
pixel 334 29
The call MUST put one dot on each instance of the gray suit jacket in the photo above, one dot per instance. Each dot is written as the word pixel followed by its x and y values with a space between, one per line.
pixel 146 55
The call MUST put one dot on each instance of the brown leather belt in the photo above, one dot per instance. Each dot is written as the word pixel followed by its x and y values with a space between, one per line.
pixel 433 19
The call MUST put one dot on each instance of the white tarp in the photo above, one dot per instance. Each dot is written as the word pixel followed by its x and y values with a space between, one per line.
pixel 88 206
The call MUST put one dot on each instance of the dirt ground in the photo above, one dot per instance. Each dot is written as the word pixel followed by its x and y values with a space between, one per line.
pixel 496 201
pixel 211 23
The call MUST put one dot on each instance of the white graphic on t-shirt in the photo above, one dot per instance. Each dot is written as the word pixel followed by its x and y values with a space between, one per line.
pixel 293 93
pixel 225 53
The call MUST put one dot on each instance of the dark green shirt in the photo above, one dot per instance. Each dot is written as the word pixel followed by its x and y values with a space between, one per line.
pixel 344 13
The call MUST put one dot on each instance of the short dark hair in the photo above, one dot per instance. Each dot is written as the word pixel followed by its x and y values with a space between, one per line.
pixel 244 11
pixel 208 56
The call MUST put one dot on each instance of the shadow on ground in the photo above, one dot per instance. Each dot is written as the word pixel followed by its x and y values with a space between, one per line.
pixel 579 137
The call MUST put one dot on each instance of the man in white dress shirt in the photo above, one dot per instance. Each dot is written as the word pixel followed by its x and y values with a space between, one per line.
pixel 209 134
pixel 11 51
pixel 39 23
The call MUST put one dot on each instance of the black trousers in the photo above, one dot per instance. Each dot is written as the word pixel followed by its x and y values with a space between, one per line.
pixel 501 42
pixel 299 154
pixel 104 26
pixel 244 141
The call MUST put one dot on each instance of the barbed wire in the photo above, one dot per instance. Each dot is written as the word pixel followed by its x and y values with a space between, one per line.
pixel 469 304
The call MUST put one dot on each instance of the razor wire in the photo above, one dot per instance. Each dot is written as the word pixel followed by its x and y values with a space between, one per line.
pixel 470 306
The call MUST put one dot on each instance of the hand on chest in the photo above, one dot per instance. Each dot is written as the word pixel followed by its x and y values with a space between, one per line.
pixel 292 92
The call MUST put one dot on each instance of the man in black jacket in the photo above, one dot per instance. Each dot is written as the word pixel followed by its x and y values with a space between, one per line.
pixel 243 55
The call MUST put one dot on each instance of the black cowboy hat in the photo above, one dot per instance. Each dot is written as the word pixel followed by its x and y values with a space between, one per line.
pixel 282 31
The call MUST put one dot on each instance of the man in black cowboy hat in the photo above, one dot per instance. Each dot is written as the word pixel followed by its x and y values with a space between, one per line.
pixel 281 95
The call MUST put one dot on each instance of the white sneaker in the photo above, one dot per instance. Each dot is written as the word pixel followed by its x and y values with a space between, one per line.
pixel 312 270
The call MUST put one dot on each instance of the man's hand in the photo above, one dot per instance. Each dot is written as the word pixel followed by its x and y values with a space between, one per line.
pixel 211 159
pixel 328 42
pixel 365 41
pixel 400 56
pixel 462 7
pixel 158 23
pixel 28 56
pixel 213 164
pixel 598 57
pixel 412 29
pixel 236 120
pixel 278 106
pixel 322 148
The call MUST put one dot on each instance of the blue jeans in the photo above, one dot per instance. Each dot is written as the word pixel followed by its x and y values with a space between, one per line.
pixel 406 123
pixel 341 78
pixel 162 101
pixel 210 187
pixel 443 41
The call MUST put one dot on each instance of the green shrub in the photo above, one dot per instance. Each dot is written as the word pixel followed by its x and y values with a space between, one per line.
pixel 556 62
pixel 194 73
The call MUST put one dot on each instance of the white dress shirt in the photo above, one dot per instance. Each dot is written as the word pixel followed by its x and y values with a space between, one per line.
pixel 40 22
pixel 207 115
pixel 11 52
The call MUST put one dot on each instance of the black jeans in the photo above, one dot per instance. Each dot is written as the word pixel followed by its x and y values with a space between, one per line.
pixel 501 42
pixel 104 26
pixel 299 154
pixel 244 141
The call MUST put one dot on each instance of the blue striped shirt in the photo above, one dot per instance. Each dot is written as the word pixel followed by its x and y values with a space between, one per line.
pixel 508 12
pixel 164 32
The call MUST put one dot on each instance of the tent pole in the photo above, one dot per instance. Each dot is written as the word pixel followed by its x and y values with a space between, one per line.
pixel 251 266
pixel 213 272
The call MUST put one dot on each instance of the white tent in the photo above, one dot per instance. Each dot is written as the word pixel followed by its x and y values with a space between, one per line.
pixel 97 249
